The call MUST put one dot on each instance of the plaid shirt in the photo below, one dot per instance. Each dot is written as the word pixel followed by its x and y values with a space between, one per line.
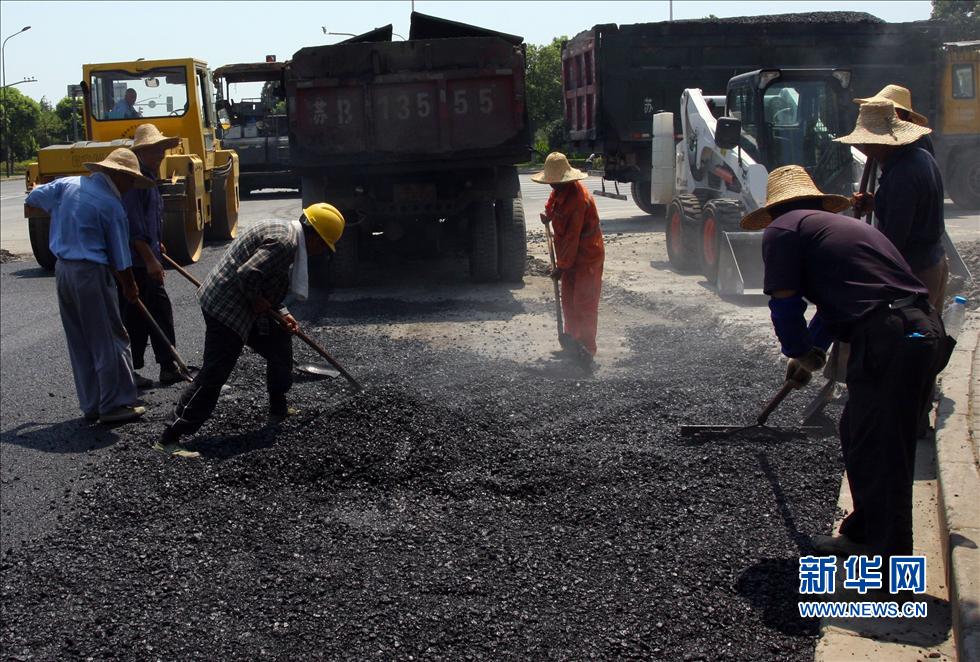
pixel 256 264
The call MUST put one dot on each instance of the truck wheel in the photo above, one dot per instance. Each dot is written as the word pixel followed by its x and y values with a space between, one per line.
pixel 183 240
pixel 683 213
pixel 511 240
pixel 483 242
pixel 719 216
pixel 640 192
pixel 224 213
pixel 39 230
pixel 343 266
pixel 964 185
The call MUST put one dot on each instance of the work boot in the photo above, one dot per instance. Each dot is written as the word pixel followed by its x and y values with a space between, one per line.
pixel 279 409
pixel 122 415
pixel 170 375
pixel 174 449
pixel 839 545
pixel 141 381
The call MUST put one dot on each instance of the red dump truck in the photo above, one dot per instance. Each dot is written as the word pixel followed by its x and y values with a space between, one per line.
pixel 415 141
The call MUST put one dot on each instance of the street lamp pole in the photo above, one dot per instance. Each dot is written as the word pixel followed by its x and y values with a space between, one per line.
pixel 3 102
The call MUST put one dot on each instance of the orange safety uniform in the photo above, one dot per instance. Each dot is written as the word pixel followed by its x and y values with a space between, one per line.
pixel 579 253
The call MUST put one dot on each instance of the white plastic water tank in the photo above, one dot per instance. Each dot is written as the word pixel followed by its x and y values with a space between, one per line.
pixel 662 159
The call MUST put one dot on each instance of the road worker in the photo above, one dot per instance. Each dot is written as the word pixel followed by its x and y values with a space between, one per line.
pixel 90 239
pixel 125 108
pixel 901 98
pixel 144 209
pixel 579 249
pixel 264 264
pixel 909 201
pixel 865 294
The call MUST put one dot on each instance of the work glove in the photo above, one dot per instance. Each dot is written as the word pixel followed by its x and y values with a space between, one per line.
pixel 799 370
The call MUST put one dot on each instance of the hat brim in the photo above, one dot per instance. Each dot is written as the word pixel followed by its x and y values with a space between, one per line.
pixel 571 175
pixel 165 142
pixel 914 117
pixel 909 134
pixel 761 218
pixel 139 180
pixel 331 245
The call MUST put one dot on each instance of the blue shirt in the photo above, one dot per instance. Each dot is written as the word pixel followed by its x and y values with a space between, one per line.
pixel 88 221
pixel 122 111
pixel 909 206
pixel 144 208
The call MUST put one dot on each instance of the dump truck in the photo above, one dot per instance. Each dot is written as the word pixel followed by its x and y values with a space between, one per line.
pixel 615 78
pixel 415 140
pixel 199 179
pixel 254 127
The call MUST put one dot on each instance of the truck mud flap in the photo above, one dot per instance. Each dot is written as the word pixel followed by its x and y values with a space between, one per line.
pixel 740 268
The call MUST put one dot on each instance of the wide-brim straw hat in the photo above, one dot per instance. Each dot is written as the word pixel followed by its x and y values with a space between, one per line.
pixel 557 170
pixel 122 161
pixel 791 183
pixel 901 97
pixel 148 135
pixel 877 124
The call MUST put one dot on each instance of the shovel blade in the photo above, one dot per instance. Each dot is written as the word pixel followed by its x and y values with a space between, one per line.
pixel 317 370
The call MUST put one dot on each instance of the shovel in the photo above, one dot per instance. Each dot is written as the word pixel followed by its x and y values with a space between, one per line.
pixel 567 342
pixel 760 421
pixel 185 372
pixel 309 368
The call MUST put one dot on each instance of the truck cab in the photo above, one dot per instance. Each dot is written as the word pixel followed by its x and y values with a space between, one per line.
pixel 199 179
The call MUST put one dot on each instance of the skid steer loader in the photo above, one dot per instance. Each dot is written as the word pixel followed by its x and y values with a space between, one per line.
pixel 198 179
pixel 717 172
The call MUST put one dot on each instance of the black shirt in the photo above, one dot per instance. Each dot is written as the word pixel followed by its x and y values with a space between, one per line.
pixel 842 265
pixel 909 206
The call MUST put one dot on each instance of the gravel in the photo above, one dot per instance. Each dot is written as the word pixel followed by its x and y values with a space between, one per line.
pixel 460 508
pixel 970 252
pixel 6 256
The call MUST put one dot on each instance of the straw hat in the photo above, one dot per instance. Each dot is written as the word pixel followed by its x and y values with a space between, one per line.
pixel 557 170
pixel 122 161
pixel 148 135
pixel 877 124
pixel 791 183
pixel 901 97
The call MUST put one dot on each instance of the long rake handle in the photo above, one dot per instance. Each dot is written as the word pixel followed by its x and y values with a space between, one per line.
pixel 184 371
pixel 282 321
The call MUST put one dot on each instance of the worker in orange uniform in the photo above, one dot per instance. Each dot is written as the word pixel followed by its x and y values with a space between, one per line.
pixel 579 251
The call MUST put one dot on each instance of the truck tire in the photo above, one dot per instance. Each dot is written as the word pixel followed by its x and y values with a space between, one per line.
pixel 344 265
pixel 224 213
pixel 483 242
pixel 683 216
pixel 640 192
pixel 964 184
pixel 511 240
pixel 183 244
pixel 39 230
pixel 718 216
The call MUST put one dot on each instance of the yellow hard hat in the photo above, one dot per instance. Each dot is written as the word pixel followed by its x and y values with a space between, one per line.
pixel 327 221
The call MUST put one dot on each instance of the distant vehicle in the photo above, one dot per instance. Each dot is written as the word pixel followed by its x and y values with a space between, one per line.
pixel 615 78
pixel 416 139
pixel 254 129
pixel 199 179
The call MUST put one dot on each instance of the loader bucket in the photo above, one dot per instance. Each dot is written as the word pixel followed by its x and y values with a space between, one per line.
pixel 740 266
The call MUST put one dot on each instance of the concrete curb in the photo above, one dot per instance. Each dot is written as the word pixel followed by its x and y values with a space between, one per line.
pixel 957 435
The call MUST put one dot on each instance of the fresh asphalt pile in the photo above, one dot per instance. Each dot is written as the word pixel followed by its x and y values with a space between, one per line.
pixel 459 508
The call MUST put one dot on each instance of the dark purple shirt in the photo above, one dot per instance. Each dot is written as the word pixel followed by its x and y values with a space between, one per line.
pixel 909 206
pixel 842 265
pixel 144 208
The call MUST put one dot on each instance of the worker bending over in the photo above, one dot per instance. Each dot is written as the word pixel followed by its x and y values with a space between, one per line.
pixel 90 238
pixel 265 263
pixel 865 294
pixel 579 250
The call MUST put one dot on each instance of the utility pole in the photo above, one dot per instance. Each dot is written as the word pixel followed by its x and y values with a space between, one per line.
pixel 3 101
pixel 670 3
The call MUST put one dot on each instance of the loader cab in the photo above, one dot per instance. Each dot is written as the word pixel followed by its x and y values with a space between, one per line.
pixel 175 95
pixel 791 117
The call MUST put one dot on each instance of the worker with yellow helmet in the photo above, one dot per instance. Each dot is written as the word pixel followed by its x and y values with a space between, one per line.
pixel 267 262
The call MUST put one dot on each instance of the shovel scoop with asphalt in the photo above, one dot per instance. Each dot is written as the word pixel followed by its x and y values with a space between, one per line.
pixel 760 421
pixel 573 347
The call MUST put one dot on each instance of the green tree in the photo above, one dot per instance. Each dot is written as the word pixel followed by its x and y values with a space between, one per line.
pixel 961 16
pixel 50 128
pixel 69 110
pixel 21 116
pixel 544 93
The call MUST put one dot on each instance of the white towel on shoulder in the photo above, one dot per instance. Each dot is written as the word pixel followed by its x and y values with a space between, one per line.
pixel 299 281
